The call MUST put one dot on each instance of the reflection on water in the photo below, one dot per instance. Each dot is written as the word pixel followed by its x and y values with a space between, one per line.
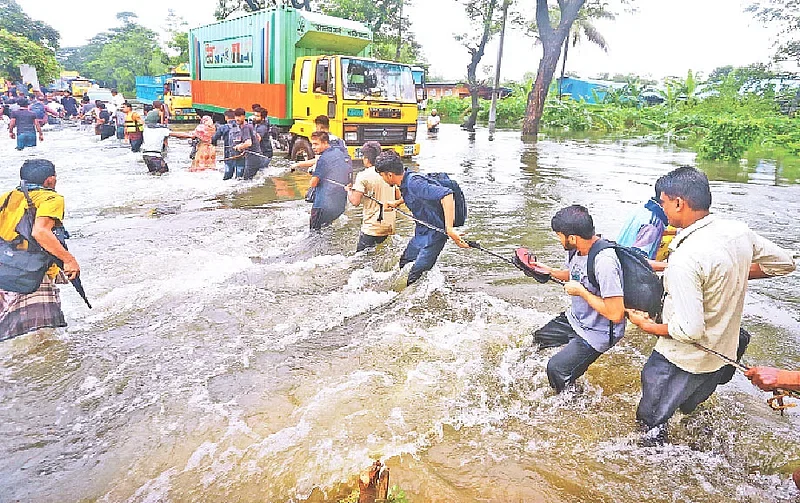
pixel 234 356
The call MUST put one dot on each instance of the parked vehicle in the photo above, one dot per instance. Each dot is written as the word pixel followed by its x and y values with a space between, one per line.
pixel 299 65
pixel 173 89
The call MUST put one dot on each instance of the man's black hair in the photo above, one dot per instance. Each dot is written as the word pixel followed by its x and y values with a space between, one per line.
pixel 389 162
pixel 660 186
pixel 23 102
pixel 573 220
pixel 229 114
pixel 371 150
pixel 255 106
pixel 323 121
pixel 690 184
pixel 321 136
pixel 239 112
pixel 36 170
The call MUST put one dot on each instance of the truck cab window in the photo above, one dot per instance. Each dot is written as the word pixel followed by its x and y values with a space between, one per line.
pixel 305 74
pixel 321 78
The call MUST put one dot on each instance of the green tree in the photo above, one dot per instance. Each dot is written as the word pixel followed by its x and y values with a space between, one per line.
pixel 130 50
pixel 484 23
pixel 392 35
pixel 584 28
pixel 178 38
pixel 553 27
pixel 16 50
pixel 785 15
pixel 13 19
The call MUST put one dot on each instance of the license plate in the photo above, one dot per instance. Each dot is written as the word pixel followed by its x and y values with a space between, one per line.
pixel 358 153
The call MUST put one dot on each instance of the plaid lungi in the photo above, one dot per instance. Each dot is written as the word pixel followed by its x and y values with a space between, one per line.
pixel 22 313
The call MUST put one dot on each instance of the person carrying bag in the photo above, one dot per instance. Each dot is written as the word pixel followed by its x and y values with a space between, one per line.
pixel 29 217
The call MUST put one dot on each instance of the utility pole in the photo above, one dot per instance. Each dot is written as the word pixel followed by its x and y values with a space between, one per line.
pixel 493 108
pixel 399 31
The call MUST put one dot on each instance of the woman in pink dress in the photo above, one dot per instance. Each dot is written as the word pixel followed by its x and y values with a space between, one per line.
pixel 206 156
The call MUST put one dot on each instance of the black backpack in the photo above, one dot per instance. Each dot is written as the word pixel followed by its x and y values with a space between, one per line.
pixel 444 180
pixel 643 289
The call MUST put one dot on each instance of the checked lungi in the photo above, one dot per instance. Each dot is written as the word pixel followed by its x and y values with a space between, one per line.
pixel 22 313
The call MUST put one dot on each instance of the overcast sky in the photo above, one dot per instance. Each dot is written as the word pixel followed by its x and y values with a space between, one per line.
pixel 662 38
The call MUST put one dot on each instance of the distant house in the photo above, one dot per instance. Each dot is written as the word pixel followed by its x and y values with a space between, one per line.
pixel 585 89
pixel 439 90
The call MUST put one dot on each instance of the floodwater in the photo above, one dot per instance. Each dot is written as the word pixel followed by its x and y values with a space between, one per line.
pixel 232 356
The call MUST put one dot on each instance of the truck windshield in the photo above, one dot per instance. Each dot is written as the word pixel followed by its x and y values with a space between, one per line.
pixel 182 88
pixel 365 79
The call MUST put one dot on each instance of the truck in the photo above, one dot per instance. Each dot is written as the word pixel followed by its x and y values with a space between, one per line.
pixel 172 89
pixel 299 65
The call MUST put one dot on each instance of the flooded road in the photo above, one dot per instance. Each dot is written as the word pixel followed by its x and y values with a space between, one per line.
pixel 233 356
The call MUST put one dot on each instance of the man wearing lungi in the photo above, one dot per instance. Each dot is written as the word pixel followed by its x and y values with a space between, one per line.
pixel 23 313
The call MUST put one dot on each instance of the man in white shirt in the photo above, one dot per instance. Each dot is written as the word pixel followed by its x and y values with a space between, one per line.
pixel 154 144
pixel 117 99
pixel 710 262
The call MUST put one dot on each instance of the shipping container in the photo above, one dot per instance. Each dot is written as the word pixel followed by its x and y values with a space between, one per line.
pixel 277 58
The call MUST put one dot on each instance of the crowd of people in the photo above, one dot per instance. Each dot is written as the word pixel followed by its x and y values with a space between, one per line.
pixel 706 260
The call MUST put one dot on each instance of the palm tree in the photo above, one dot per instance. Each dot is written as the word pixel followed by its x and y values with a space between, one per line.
pixel 584 27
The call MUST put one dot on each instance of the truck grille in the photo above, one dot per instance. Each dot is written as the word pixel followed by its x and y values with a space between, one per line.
pixel 383 133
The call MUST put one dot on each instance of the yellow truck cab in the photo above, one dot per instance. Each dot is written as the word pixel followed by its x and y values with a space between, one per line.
pixel 364 99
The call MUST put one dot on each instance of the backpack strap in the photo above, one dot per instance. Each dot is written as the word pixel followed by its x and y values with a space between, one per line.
pixel 31 210
pixel 597 247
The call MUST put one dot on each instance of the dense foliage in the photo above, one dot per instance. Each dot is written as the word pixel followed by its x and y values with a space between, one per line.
pixel 26 41
pixel 739 109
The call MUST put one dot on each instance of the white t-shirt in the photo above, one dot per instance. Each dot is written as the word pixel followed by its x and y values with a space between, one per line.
pixel 433 121
pixel 118 100
pixel 154 140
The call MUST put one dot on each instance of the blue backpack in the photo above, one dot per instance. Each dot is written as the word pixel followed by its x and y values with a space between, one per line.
pixel 444 180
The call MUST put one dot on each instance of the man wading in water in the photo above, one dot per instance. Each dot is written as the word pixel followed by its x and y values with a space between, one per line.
pixel 377 224
pixel 709 264
pixel 429 202
pixel 330 200
pixel 22 313
pixel 583 329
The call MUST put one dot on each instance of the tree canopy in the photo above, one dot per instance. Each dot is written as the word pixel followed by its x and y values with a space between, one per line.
pixel 785 15
pixel 16 50
pixel 15 21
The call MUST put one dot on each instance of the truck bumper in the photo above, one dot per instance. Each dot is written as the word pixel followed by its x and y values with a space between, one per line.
pixel 407 150
pixel 184 115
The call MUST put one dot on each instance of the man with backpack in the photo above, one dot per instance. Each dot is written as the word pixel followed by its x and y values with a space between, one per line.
pixel 234 161
pixel 25 312
pixel 430 202
pixel 710 261
pixel 595 321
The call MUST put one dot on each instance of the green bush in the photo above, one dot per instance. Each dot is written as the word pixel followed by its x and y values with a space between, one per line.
pixel 729 139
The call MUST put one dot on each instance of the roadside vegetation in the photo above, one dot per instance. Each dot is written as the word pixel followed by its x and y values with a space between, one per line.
pixel 735 110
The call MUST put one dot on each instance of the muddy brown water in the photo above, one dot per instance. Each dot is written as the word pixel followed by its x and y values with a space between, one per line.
pixel 232 356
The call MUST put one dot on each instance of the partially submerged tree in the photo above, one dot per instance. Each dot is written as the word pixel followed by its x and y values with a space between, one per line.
pixel 482 15
pixel 552 39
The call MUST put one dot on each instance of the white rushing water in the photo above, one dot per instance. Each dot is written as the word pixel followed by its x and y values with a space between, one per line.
pixel 233 356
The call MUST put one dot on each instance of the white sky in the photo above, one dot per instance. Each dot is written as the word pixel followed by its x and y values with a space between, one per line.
pixel 662 38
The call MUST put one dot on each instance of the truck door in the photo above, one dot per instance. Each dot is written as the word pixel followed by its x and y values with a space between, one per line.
pixel 324 88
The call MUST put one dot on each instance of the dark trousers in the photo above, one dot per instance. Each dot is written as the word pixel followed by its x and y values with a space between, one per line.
pixel 366 241
pixel 573 360
pixel 423 250
pixel 667 388
pixel 321 217
pixel 252 164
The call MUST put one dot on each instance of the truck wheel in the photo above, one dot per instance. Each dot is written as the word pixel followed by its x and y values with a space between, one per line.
pixel 301 150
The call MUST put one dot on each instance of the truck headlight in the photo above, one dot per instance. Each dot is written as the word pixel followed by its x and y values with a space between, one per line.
pixel 351 136
pixel 411 134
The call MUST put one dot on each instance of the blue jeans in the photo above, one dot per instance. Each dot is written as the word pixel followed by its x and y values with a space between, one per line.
pixel 423 250
pixel 26 140
pixel 573 360
pixel 233 166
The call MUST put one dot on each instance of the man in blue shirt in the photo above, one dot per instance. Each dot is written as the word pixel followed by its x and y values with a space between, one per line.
pixel 330 199
pixel 429 202
pixel 596 319
pixel 231 164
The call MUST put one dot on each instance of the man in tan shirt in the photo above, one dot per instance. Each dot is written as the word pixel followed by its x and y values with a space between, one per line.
pixel 377 224
pixel 706 280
